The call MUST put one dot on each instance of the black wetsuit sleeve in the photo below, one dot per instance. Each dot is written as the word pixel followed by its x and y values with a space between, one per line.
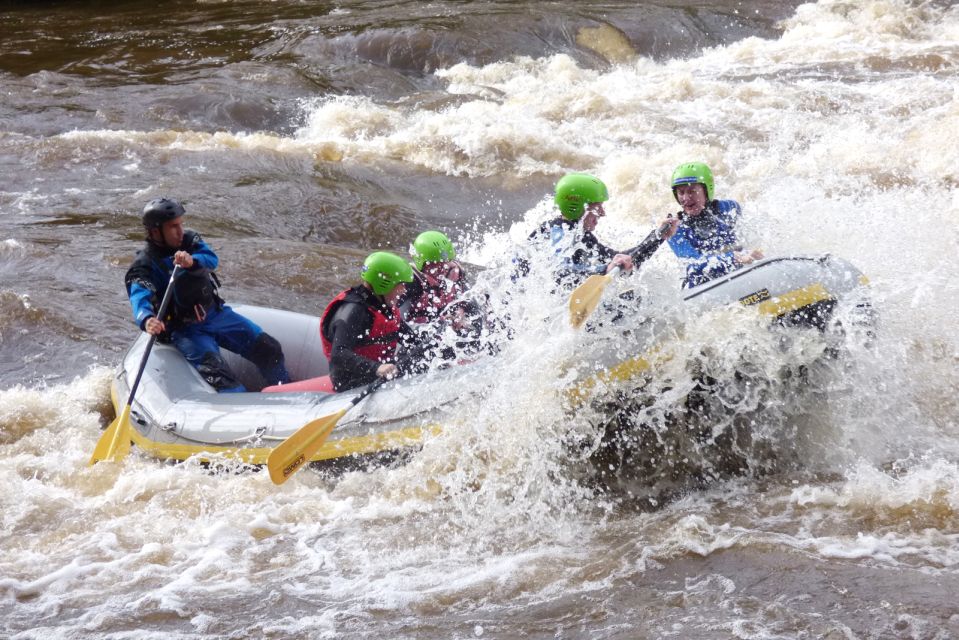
pixel 594 249
pixel 645 249
pixel 350 324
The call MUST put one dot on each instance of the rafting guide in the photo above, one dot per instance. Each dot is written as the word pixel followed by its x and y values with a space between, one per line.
pixel 198 322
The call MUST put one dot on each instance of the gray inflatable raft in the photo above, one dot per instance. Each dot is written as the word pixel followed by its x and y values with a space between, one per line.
pixel 176 414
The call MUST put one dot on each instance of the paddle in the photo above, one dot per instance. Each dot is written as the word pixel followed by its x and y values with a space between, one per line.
pixel 114 444
pixel 585 298
pixel 294 452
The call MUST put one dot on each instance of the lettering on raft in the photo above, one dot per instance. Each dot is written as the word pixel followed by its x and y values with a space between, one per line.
pixel 755 298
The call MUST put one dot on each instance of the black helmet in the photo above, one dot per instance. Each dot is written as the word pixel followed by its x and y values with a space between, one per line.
pixel 161 210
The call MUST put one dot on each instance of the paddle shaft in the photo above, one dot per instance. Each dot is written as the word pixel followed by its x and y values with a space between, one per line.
pixel 164 303
pixel 376 384
pixel 114 443
pixel 641 252
pixel 648 246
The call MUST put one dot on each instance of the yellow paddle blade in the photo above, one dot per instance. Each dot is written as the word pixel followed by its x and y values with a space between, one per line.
pixel 294 452
pixel 114 443
pixel 585 298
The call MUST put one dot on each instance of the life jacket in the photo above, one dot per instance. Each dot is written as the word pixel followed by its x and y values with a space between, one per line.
pixel 380 342
pixel 194 295
pixel 440 284
pixel 194 292
pixel 707 242
pixel 713 231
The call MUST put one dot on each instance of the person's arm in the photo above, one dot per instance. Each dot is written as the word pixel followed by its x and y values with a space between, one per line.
pixel 142 292
pixel 350 323
pixel 196 255
pixel 141 301
pixel 607 257
pixel 645 249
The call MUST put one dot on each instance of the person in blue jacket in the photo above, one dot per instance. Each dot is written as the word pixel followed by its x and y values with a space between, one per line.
pixel 703 234
pixel 198 323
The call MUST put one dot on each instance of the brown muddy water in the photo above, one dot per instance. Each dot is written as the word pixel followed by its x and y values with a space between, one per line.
pixel 302 135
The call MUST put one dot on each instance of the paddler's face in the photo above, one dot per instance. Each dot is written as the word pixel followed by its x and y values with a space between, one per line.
pixel 443 270
pixel 170 234
pixel 393 297
pixel 594 211
pixel 691 197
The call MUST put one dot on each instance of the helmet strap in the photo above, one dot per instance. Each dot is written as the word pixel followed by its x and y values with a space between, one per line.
pixel 155 235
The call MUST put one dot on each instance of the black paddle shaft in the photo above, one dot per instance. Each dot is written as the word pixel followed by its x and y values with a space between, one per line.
pixel 642 252
pixel 376 384
pixel 164 303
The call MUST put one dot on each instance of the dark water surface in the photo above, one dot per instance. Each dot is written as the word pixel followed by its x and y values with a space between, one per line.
pixel 109 104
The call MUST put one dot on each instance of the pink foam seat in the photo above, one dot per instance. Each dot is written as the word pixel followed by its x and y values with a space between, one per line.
pixel 321 383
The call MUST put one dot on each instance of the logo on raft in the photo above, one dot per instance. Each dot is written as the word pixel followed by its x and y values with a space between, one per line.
pixel 755 298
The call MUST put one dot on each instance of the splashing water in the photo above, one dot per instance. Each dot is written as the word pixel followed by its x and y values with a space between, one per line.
pixel 756 482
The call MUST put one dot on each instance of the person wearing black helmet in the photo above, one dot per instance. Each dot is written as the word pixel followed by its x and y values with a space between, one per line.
pixel 199 323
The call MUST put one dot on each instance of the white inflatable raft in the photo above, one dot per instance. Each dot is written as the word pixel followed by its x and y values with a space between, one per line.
pixel 176 414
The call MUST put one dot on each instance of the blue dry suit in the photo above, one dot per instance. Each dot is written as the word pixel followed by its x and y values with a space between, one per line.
pixel 706 242
pixel 577 254
pixel 198 323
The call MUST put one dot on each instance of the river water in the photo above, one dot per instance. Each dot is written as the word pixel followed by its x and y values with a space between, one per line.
pixel 302 135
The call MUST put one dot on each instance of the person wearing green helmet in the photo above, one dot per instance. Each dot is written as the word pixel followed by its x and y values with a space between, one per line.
pixel 437 297
pixel 438 279
pixel 362 327
pixel 579 198
pixel 703 234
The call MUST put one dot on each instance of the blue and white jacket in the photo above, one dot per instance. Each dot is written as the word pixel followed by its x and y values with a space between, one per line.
pixel 706 242
pixel 576 253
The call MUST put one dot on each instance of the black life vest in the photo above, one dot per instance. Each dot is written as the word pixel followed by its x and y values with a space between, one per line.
pixel 194 292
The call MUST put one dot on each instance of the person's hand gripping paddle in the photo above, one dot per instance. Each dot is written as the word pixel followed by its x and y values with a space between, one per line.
pixel 586 297
pixel 114 444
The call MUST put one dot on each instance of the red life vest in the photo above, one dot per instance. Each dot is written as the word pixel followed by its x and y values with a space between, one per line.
pixel 381 341
pixel 441 284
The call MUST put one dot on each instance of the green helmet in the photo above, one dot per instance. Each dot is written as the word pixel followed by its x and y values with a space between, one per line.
pixel 574 190
pixel 431 246
pixel 384 271
pixel 694 173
